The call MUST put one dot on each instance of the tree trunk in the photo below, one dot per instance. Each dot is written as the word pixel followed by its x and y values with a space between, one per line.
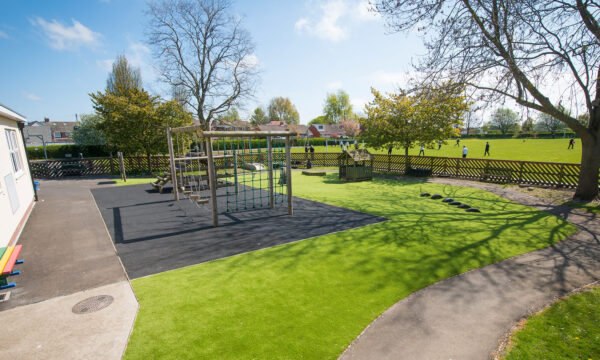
pixel 149 159
pixel 587 187
pixel 407 160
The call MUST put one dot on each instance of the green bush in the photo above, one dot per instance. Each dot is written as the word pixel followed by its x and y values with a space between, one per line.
pixel 59 151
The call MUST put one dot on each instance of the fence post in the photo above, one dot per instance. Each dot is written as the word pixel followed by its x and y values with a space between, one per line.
pixel 112 165
pixel 521 172
pixel 457 166
pixel 445 165
pixel 560 175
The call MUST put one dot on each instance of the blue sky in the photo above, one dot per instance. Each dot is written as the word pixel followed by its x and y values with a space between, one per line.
pixel 53 54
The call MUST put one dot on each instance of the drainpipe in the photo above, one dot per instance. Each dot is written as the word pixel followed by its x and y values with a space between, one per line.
pixel 21 127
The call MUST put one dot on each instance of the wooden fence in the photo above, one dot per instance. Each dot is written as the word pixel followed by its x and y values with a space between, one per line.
pixel 506 171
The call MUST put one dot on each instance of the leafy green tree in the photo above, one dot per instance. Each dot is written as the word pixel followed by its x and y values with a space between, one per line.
pixel 322 119
pixel 259 116
pixel 87 132
pixel 402 120
pixel 123 77
pixel 338 107
pixel 136 122
pixel 282 109
pixel 504 120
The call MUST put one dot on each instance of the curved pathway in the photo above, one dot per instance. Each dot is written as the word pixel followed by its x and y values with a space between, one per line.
pixel 465 317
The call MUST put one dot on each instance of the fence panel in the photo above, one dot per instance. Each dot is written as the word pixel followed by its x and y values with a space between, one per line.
pixel 508 171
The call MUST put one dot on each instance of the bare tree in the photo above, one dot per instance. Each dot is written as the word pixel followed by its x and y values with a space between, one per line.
pixel 470 120
pixel 204 52
pixel 520 50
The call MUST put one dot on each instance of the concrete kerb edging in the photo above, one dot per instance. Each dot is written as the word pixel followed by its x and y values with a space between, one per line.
pixel 124 271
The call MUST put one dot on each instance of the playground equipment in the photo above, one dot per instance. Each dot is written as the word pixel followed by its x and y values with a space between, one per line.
pixel 355 165
pixel 254 167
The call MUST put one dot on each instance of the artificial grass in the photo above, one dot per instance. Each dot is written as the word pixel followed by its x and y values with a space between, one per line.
pixel 135 181
pixel 553 150
pixel 310 299
pixel 570 329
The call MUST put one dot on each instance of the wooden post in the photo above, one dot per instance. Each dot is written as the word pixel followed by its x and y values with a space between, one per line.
pixel 561 175
pixel 112 165
pixel 445 165
pixel 288 171
pixel 521 172
pixel 270 167
pixel 212 182
pixel 457 166
pixel 122 166
pixel 172 165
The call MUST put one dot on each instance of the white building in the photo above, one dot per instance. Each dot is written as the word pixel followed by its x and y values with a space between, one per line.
pixel 16 188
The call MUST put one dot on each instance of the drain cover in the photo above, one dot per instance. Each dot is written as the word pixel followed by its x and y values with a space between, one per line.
pixel 92 304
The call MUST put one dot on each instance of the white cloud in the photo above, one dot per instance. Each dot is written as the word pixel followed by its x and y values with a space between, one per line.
pixel 251 61
pixel 3 35
pixel 31 96
pixel 386 79
pixel 61 37
pixel 358 104
pixel 327 27
pixel 138 55
pixel 334 85
pixel 301 24
pixel 105 64
pixel 364 11
pixel 332 19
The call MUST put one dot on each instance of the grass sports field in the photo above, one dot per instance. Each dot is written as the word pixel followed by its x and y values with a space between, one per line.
pixel 553 150
pixel 311 298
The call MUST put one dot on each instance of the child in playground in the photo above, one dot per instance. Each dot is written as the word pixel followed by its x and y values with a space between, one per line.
pixel 422 152
pixel 465 151
pixel 571 144
pixel 487 149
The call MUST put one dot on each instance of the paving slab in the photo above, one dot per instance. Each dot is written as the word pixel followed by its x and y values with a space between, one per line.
pixel 153 233
pixel 50 329
pixel 66 246
pixel 465 317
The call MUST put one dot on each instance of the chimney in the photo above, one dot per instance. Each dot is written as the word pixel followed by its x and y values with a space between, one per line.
pixel 46 119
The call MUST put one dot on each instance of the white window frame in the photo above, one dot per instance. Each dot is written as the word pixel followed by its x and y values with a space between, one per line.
pixel 14 151
pixel 59 136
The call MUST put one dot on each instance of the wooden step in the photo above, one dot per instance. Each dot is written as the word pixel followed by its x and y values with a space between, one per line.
pixel 202 201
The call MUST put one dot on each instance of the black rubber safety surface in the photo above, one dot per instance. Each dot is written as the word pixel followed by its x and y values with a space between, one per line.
pixel 153 233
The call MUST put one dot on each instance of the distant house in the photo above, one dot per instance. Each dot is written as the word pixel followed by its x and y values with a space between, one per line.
pixel 53 132
pixel 16 186
pixel 327 130
pixel 235 125
pixel 301 130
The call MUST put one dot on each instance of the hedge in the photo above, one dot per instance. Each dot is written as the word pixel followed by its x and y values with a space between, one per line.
pixel 59 151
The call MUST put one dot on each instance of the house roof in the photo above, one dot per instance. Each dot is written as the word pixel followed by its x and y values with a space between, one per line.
pixel 300 129
pixel 357 155
pixel 7 112
pixel 331 130
pixel 62 126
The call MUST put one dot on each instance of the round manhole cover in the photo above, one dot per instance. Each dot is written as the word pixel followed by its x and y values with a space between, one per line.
pixel 92 304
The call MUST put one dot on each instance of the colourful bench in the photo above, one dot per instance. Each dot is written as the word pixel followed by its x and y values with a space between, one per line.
pixel 8 260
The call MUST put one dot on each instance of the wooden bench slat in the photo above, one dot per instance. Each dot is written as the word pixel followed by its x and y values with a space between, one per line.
pixel 12 260
pixel 5 257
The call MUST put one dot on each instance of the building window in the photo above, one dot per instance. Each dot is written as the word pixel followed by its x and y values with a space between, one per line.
pixel 13 151
pixel 57 135
pixel 320 127
pixel 67 134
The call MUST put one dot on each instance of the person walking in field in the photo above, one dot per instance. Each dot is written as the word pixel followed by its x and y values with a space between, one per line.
pixel 571 144
pixel 465 151
pixel 390 150
pixel 439 144
pixel 487 149
pixel 457 142
pixel 422 152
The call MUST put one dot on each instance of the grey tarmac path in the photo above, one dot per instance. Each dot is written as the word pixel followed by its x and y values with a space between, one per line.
pixel 69 256
pixel 465 317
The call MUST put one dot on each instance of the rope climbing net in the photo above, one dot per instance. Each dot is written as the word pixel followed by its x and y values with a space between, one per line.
pixel 253 167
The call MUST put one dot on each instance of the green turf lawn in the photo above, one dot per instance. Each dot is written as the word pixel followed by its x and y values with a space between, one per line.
pixel 311 298
pixel 570 329
pixel 553 150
